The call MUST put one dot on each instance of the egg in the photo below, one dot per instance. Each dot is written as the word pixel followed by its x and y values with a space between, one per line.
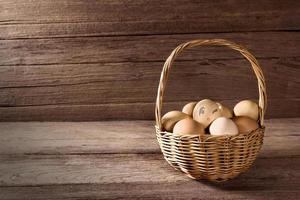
pixel 223 126
pixel 206 111
pixel 171 118
pixel 246 108
pixel 188 108
pixel 188 126
pixel 225 111
pixel 245 124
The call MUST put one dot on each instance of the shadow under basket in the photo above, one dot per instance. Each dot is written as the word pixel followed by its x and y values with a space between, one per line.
pixel 214 158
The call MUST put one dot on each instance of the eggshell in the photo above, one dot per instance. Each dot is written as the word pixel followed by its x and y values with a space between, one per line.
pixel 171 118
pixel 188 108
pixel 188 126
pixel 245 124
pixel 246 108
pixel 223 126
pixel 225 111
pixel 206 111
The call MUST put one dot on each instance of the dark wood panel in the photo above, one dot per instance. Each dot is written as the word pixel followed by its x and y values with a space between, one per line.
pixel 236 190
pixel 129 111
pixel 137 82
pixel 141 48
pixel 49 138
pixel 65 18
pixel 22 11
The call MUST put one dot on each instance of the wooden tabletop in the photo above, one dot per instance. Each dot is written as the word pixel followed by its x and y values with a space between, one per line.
pixel 121 159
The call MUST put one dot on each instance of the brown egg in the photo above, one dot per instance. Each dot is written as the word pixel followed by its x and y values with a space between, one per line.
pixel 171 118
pixel 206 111
pixel 246 108
pixel 225 111
pixel 188 126
pixel 245 124
pixel 188 108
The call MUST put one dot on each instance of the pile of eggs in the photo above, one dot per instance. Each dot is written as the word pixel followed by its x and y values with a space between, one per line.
pixel 210 117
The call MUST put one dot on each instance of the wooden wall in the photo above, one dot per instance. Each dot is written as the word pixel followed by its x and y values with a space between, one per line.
pixel 78 60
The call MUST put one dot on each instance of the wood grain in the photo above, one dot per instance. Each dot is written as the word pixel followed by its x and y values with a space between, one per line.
pixel 29 170
pixel 66 84
pixel 141 48
pixel 42 19
pixel 122 137
pixel 188 190
pixel 89 160
pixel 112 84
pixel 127 111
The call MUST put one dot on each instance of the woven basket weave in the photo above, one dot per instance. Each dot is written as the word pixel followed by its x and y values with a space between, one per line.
pixel 215 158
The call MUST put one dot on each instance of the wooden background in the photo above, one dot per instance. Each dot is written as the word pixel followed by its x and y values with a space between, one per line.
pixel 78 60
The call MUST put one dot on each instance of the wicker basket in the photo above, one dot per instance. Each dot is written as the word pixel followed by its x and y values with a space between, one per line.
pixel 215 158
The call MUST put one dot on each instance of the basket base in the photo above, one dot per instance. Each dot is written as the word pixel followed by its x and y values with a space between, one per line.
pixel 215 160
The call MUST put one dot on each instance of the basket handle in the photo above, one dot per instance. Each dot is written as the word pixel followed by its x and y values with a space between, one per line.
pixel 214 42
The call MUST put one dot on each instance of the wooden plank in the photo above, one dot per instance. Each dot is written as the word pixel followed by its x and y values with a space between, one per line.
pixel 78 138
pixel 22 11
pixel 126 168
pixel 128 111
pixel 281 127
pixel 276 173
pixel 121 137
pixel 141 48
pixel 40 19
pixel 188 190
pixel 137 82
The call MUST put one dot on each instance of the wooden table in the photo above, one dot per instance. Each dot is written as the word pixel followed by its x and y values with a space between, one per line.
pixel 121 159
